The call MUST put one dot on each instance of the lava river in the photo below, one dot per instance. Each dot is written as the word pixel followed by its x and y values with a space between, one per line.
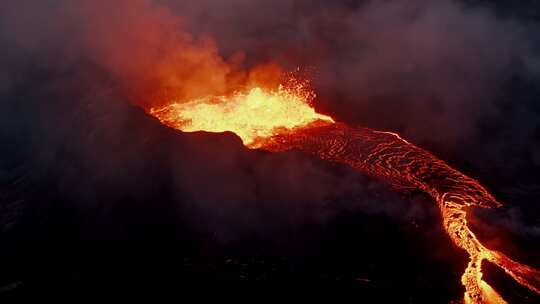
pixel 283 119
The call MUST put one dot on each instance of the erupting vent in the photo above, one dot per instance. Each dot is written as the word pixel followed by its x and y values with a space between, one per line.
pixel 282 119
pixel 255 116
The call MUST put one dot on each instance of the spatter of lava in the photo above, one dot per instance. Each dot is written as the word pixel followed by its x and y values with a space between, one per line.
pixel 282 119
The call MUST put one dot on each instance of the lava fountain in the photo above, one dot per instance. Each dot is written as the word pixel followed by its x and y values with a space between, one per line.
pixel 255 116
pixel 283 119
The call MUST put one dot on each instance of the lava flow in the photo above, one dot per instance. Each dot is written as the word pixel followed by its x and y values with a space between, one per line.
pixel 282 119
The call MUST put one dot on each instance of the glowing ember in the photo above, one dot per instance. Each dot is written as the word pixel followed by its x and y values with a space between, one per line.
pixel 254 116
pixel 282 119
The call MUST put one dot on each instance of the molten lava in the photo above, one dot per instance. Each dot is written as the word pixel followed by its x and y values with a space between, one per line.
pixel 282 119
pixel 254 116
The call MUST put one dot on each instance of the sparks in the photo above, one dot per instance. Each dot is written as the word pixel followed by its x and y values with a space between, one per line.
pixel 254 116
pixel 283 119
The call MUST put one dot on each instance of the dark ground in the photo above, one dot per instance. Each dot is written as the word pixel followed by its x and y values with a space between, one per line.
pixel 97 197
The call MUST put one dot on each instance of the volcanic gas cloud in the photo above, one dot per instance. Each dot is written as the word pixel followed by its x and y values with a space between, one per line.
pixel 179 60
pixel 282 118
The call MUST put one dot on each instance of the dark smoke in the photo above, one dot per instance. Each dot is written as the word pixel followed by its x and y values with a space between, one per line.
pixel 437 71
pixel 78 162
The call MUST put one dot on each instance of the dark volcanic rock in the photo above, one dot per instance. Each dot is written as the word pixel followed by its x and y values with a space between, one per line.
pixel 99 197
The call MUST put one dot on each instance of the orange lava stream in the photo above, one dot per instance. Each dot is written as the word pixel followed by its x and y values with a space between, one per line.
pixel 385 155
pixel 283 119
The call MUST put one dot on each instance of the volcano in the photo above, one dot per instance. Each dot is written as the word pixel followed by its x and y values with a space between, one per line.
pixel 163 147
pixel 278 121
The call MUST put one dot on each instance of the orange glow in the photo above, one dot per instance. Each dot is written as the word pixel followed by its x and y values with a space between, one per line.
pixel 254 115
pixel 282 119
pixel 387 156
